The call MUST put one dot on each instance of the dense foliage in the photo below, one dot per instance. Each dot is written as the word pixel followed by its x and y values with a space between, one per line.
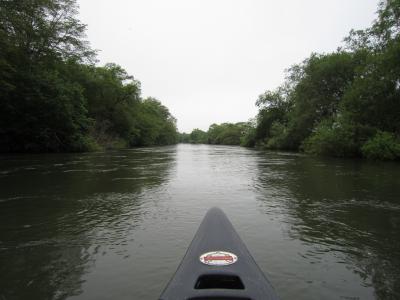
pixel 221 134
pixel 345 103
pixel 53 97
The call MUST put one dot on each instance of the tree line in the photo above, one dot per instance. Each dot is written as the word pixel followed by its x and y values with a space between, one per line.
pixel 53 95
pixel 220 134
pixel 344 104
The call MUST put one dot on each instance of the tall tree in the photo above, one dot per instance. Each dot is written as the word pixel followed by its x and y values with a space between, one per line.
pixel 42 108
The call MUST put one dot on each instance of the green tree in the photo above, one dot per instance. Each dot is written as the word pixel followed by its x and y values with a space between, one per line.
pixel 52 96
pixel 198 136
pixel 338 103
pixel 274 107
pixel 42 109
pixel 318 94
pixel 184 137
pixel 156 124
pixel 383 145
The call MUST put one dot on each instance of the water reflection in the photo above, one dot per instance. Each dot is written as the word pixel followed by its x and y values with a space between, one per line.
pixel 115 225
pixel 347 211
pixel 58 213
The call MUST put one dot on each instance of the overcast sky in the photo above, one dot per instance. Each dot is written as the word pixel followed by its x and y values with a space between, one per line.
pixel 208 60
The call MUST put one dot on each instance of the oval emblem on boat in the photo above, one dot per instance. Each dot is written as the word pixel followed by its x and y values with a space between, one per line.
pixel 218 258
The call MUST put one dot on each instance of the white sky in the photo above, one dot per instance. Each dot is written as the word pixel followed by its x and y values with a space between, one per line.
pixel 208 60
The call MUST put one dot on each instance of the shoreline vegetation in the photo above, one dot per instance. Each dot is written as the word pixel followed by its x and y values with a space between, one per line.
pixel 342 104
pixel 54 98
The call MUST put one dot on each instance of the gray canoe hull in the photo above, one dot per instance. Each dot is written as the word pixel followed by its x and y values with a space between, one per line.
pixel 241 280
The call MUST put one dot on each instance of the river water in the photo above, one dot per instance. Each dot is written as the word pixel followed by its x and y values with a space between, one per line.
pixel 115 225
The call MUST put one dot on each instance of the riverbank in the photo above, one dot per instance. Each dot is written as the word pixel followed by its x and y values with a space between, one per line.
pixel 55 98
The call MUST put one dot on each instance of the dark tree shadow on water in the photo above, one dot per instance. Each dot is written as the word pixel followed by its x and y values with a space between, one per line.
pixel 348 206
pixel 59 212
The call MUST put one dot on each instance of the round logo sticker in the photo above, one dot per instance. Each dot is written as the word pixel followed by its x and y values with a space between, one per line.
pixel 218 258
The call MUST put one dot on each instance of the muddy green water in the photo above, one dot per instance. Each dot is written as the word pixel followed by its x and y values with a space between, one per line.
pixel 115 225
